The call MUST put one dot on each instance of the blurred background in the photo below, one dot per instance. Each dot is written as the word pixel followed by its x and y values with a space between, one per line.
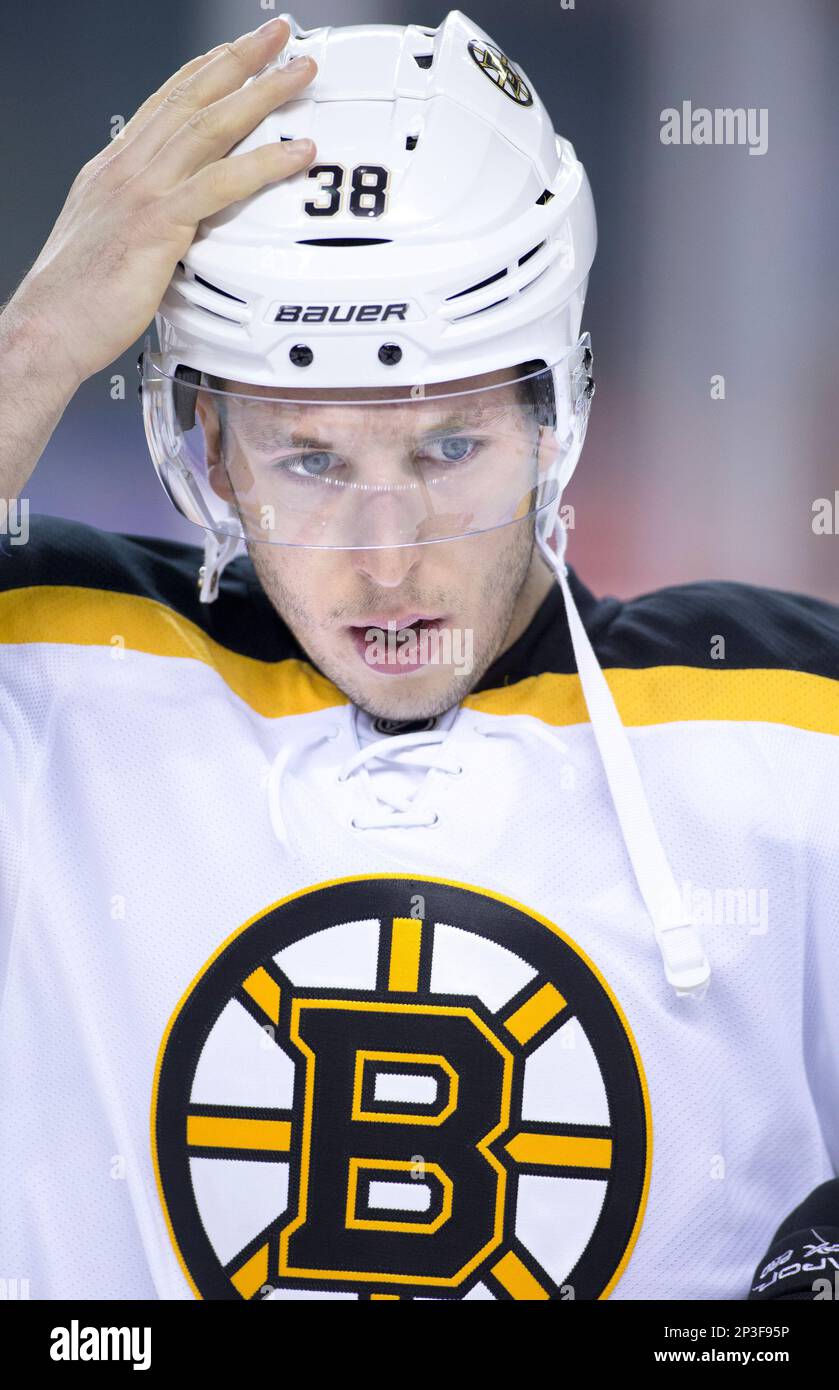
pixel 711 261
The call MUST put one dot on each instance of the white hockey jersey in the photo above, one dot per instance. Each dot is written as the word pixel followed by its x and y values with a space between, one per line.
pixel 290 1010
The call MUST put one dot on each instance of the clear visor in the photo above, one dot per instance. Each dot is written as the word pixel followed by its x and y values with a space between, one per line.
pixel 366 468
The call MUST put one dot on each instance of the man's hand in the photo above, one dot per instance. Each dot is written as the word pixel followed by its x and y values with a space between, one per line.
pixel 133 209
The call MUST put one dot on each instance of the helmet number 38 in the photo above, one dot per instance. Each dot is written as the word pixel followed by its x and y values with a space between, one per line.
pixel 364 196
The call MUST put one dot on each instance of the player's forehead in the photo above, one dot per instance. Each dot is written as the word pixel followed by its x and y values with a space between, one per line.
pixel 488 401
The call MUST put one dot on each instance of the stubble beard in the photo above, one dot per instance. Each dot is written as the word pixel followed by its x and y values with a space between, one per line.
pixel 499 593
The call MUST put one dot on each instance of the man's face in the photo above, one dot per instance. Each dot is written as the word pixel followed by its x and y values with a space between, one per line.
pixel 404 630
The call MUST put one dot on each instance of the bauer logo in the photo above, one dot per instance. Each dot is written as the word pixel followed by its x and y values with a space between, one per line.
pixel 498 68
pixel 345 313
pixel 401 1088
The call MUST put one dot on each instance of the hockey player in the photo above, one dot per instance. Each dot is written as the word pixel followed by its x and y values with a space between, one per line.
pixel 357 930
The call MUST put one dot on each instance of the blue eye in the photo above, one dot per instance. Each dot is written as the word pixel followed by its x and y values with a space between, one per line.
pixel 453 448
pixel 312 465
pixel 449 449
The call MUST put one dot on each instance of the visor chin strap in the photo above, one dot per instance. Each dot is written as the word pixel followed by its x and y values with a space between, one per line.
pixel 685 963
pixel 218 552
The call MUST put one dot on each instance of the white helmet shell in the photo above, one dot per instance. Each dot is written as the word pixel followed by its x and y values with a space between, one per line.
pixel 444 230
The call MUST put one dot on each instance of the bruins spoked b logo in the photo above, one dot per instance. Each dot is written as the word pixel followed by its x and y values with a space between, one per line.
pixel 398 1088
pixel 498 68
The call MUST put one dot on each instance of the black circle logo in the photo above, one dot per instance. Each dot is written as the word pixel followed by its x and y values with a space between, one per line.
pixel 403 726
pixel 387 1087
pixel 497 67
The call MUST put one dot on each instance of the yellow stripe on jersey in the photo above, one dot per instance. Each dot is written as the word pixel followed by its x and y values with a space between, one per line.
pixel 537 1011
pixel 560 1150
pixel 406 940
pixel 651 695
pixel 516 1278
pixel 265 992
pixel 252 1275
pixel 227 1132
pixel 668 694
pixel 99 618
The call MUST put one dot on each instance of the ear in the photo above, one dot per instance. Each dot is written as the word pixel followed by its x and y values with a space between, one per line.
pixel 207 410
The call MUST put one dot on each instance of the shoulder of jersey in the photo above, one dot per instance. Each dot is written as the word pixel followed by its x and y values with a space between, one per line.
pixel 722 624
pixel 709 651
pixel 70 568
pixel 713 625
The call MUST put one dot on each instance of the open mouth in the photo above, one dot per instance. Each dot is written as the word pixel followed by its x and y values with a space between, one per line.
pixel 397 646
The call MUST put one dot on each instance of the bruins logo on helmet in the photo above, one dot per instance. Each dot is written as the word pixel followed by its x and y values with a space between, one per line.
pixel 399 1088
pixel 498 68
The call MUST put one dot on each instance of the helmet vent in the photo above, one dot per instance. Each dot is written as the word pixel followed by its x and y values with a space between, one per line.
pixel 345 241
pixel 208 298
pixel 499 275
pixel 522 288
pixel 423 60
pixel 515 274
pixel 528 254
pixel 545 196
pixel 411 142
pixel 207 286
pixel 486 308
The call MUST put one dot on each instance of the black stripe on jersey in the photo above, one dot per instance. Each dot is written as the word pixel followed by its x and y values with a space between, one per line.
pixel 677 626
pixel 674 626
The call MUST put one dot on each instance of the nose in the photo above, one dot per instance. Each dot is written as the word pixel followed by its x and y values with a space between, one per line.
pixel 387 566
pixel 388 515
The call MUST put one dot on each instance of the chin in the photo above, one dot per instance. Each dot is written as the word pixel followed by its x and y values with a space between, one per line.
pixel 414 695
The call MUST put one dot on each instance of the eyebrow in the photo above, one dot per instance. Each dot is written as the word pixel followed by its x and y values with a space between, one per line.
pixel 263 436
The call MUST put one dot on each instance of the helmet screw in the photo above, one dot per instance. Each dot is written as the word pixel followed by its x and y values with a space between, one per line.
pixel 301 355
pixel 390 354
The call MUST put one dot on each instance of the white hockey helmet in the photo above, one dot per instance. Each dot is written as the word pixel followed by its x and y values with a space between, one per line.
pixel 436 251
